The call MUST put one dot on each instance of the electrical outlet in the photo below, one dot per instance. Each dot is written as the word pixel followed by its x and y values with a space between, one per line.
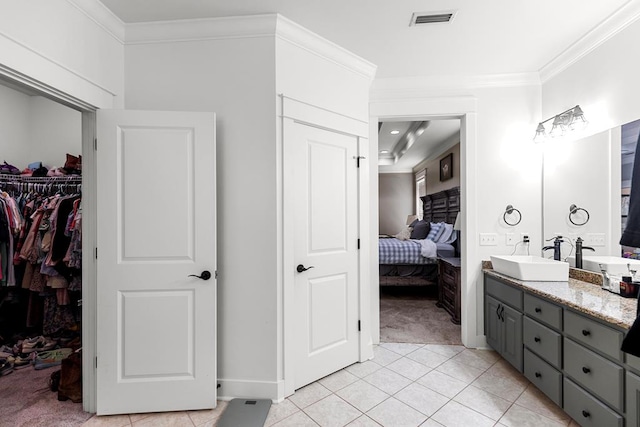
pixel 488 239
pixel 596 239
pixel 525 237
pixel 510 239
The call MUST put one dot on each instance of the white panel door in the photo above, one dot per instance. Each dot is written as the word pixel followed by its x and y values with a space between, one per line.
pixel 326 239
pixel 156 218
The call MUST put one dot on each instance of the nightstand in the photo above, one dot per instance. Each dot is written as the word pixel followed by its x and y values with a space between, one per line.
pixel 449 287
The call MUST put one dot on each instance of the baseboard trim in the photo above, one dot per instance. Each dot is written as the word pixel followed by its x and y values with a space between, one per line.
pixel 231 389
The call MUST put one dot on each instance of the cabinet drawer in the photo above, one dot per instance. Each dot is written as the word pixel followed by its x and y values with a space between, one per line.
pixel 594 334
pixel 543 311
pixel 505 293
pixel 543 341
pixel 595 373
pixel 632 397
pixel 632 361
pixel 544 376
pixel 586 409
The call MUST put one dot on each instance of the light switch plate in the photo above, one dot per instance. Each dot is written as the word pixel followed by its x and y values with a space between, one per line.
pixel 596 239
pixel 488 239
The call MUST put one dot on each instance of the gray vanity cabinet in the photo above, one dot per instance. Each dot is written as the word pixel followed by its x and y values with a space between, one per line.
pixel 632 396
pixel 503 320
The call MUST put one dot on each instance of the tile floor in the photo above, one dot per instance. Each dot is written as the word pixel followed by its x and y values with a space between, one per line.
pixel 404 385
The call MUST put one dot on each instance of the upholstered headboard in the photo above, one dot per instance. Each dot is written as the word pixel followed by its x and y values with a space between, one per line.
pixel 442 206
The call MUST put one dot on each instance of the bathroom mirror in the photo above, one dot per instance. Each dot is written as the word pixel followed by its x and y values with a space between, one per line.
pixel 593 174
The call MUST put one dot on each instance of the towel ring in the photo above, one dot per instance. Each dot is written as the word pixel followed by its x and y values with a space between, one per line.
pixel 510 209
pixel 573 209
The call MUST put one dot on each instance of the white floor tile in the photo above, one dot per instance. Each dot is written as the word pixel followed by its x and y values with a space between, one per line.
pixel 535 400
pixel 299 419
pixel 387 381
pixel 445 350
pixel 383 357
pixel 392 412
pixel 428 358
pixel 459 371
pixel 443 383
pixel 309 394
pixel 338 380
pixel 454 414
pixel 408 368
pixel 332 411
pixel 201 417
pixel 362 395
pixel 484 402
pixel 421 398
pixel 363 369
pixel 363 421
pixel 518 416
pixel 401 348
pixel 475 358
pixel 509 387
pixel 280 411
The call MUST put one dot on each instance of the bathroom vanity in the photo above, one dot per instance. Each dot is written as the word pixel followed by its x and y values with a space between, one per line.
pixel 565 337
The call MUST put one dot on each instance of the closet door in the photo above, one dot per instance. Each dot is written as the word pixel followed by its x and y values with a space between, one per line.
pixel 156 319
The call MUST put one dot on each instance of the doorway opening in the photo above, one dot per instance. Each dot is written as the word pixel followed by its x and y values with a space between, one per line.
pixel 419 240
pixel 48 136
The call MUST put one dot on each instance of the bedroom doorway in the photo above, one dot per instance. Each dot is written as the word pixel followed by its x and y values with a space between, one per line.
pixel 419 198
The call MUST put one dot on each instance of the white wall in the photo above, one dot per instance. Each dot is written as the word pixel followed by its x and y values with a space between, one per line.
pixel 396 196
pixel 433 171
pixel 54 131
pixel 34 128
pixel 235 78
pixel 500 166
pixel 57 44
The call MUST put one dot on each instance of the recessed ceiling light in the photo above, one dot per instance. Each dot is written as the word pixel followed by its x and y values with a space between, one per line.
pixel 384 151
pixel 394 132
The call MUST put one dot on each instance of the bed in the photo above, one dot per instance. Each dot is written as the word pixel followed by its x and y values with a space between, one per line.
pixel 401 262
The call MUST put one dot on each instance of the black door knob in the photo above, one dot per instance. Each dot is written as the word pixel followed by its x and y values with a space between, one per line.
pixel 536 339
pixel 586 414
pixel 586 370
pixel 586 332
pixel 538 310
pixel 538 374
pixel 205 275
pixel 300 268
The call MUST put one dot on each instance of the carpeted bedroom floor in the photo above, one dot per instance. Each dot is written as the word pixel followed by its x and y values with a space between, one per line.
pixel 26 401
pixel 410 315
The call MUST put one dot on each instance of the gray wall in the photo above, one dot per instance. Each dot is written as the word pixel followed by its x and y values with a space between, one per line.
pixel 396 196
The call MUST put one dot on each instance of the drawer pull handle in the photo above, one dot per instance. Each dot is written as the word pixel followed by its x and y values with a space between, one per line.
pixel 536 339
pixel 586 333
pixel 538 374
pixel 586 370
pixel 585 414
pixel 538 310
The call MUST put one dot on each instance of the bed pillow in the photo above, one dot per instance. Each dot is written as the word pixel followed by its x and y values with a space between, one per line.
pixel 437 228
pixel 420 230
pixel 404 234
pixel 447 231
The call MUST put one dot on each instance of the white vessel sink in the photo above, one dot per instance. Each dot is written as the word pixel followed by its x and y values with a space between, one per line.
pixel 527 267
pixel 614 265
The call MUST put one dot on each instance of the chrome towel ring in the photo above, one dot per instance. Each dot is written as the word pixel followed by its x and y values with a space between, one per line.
pixel 573 209
pixel 508 211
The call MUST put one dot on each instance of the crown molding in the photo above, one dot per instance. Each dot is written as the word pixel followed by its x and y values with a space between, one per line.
pixel 615 23
pixel 420 86
pixel 184 30
pixel 251 26
pixel 102 16
pixel 302 37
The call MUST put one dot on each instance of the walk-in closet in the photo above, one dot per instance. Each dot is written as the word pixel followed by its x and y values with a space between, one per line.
pixel 40 255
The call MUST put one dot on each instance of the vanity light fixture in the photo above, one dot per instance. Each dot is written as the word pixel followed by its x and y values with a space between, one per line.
pixel 394 132
pixel 569 120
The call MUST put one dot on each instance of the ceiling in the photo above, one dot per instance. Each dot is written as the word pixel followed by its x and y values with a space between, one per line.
pixel 484 38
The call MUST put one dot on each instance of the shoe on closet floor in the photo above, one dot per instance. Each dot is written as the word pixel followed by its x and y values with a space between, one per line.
pixel 47 359
pixel 7 349
pixel 32 344
pixel 6 366
pixel 23 362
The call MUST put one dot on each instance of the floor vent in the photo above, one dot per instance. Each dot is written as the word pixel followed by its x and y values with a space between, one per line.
pixel 432 18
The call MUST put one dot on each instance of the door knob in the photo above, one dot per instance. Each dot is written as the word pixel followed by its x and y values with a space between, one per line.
pixel 205 275
pixel 300 268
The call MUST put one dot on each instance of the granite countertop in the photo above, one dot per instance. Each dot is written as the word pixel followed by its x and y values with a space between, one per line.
pixel 582 296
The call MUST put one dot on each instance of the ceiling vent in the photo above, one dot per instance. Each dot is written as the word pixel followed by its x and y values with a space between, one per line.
pixel 432 18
